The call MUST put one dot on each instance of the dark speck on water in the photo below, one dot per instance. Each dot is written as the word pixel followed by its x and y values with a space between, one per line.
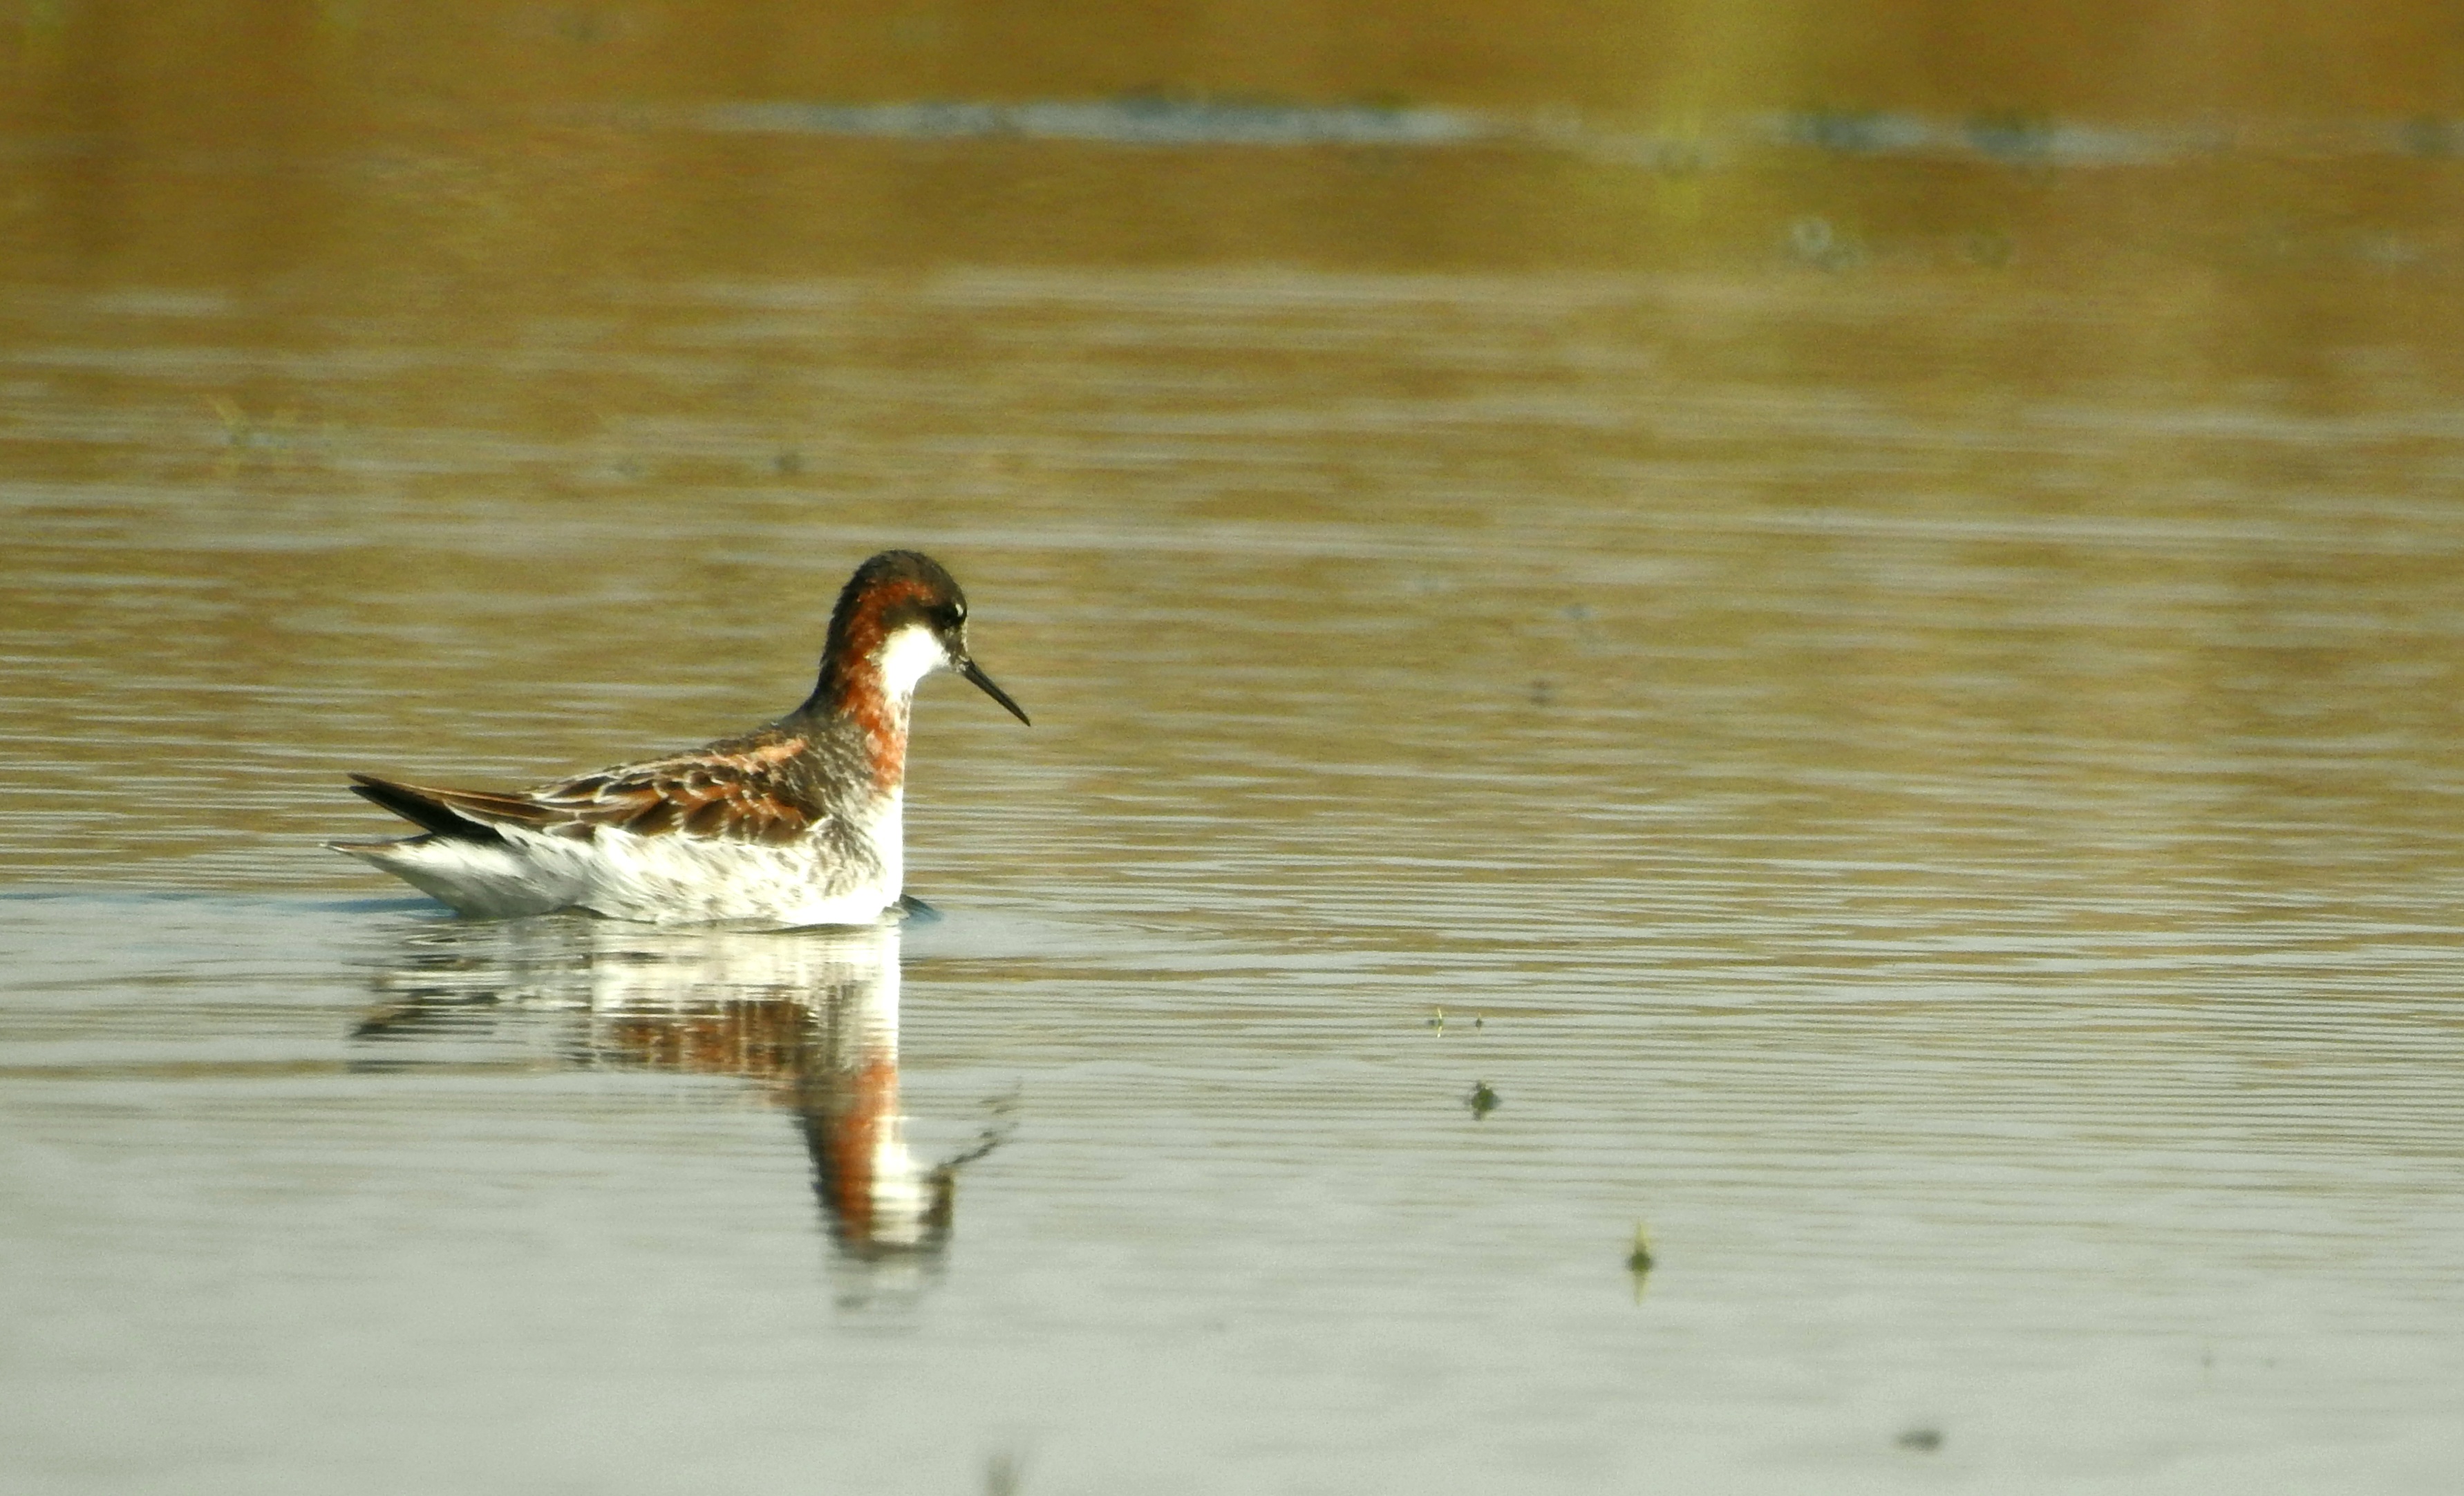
pixel 1004 1475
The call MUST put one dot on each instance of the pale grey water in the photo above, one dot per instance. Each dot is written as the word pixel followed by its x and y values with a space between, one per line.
pixel 1931 797
pixel 2149 1222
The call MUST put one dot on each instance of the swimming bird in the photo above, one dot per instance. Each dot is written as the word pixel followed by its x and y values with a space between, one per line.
pixel 798 822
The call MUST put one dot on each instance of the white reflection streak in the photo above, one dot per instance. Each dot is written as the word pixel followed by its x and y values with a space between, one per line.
pixel 1678 145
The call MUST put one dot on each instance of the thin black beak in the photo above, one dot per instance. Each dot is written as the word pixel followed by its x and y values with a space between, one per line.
pixel 966 666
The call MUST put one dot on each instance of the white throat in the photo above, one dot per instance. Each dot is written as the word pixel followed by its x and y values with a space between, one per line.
pixel 908 656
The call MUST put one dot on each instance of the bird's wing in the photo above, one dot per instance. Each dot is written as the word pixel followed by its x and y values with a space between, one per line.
pixel 751 793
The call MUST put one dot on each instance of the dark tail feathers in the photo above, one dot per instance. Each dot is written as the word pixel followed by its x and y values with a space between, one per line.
pixel 417 808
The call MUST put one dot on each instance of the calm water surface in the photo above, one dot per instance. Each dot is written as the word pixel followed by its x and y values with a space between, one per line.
pixel 1927 783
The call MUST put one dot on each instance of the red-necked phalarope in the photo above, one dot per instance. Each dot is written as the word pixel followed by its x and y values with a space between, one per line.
pixel 797 822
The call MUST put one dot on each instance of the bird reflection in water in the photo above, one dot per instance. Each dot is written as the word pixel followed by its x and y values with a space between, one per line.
pixel 811 1016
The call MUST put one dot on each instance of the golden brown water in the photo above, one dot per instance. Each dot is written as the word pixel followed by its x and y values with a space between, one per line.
pixel 1865 631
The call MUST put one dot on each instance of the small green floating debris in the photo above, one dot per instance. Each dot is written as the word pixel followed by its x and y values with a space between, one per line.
pixel 1483 1101
pixel 1920 1438
pixel 1638 1261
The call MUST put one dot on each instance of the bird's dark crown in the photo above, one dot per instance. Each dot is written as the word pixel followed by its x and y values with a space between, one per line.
pixel 890 591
